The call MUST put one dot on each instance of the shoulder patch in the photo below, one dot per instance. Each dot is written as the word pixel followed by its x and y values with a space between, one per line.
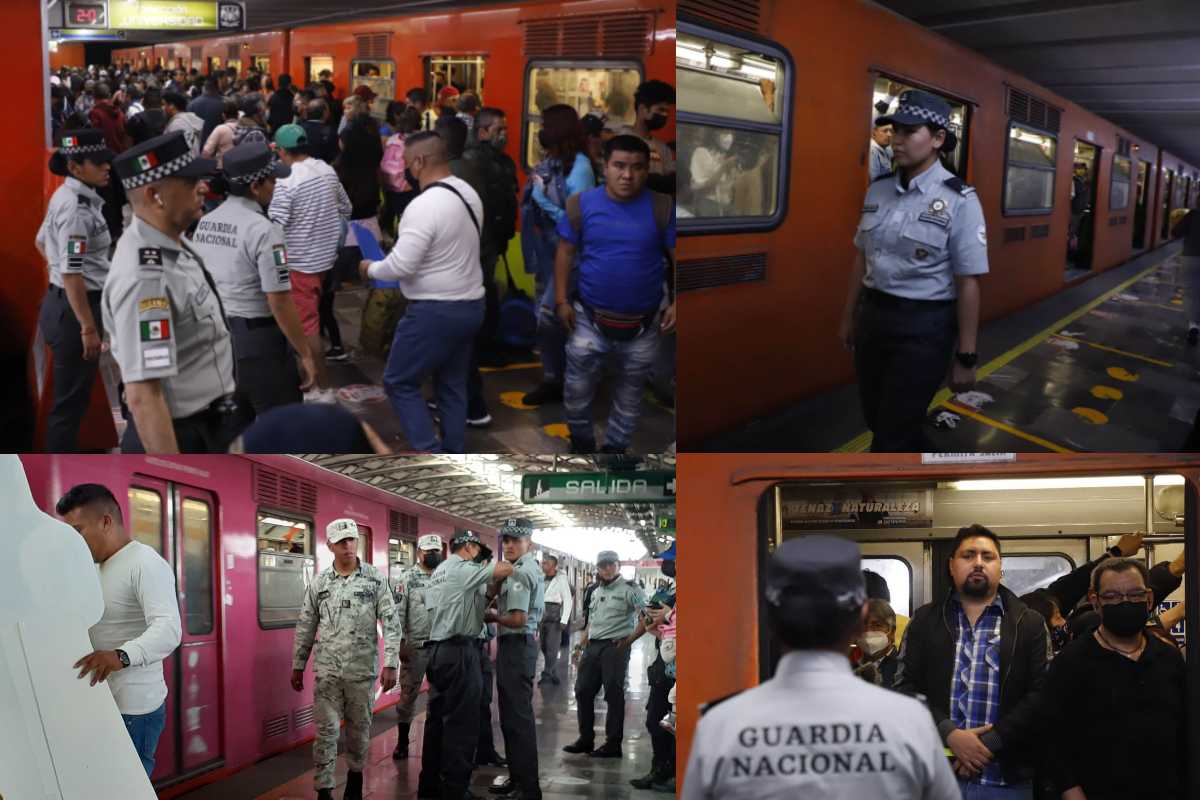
pixel 83 201
pixel 153 304
pixel 150 256
pixel 957 184
pixel 884 176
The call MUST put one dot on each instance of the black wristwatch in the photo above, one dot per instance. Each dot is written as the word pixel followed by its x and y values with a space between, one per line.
pixel 121 654
pixel 968 360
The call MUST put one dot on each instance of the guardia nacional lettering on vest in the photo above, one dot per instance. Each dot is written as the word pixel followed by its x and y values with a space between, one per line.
pixel 783 757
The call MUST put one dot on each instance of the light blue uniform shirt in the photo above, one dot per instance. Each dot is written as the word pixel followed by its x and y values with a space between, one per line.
pixel 524 590
pixel 916 241
pixel 456 599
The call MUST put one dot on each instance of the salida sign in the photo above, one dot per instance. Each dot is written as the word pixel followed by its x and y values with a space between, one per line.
pixel 647 486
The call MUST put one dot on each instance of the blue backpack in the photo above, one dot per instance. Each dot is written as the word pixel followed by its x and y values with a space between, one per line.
pixel 518 315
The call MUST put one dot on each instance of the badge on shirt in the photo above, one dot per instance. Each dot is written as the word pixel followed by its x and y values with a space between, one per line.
pixel 937 206
pixel 150 256
pixel 153 304
pixel 869 207
pixel 345 604
pixel 922 253
pixel 155 330
pixel 279 252
pixel 156 357
pixel 283 276
pixel 76 245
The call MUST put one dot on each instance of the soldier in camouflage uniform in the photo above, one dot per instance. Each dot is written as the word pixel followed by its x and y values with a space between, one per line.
pixel 341 608
pixel 414 621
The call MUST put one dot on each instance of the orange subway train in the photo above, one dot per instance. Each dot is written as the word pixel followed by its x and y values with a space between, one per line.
pixel 766 254
pixel 1052 514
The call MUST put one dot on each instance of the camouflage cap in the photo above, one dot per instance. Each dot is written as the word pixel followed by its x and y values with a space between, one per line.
pixel 341 529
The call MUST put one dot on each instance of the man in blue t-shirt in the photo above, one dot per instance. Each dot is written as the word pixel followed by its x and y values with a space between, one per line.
pixel 625 238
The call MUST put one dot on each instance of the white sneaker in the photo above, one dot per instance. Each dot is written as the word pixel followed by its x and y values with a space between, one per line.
pixel 326 396
pixel 480 422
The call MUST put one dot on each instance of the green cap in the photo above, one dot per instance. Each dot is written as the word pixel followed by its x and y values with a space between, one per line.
pixel 291 137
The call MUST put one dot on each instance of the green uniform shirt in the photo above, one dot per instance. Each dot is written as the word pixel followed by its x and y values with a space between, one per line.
pixel 524 591
pixel 454 599
pixel 612 612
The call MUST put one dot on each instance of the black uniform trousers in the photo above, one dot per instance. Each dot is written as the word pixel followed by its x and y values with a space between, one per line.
pixel 485 747
pixel 515 666
pixel 73 376
pixel 266 366
pixel 657 707
pixel 452 719
pixel 902 351
pixel 209 431
pixel 603 665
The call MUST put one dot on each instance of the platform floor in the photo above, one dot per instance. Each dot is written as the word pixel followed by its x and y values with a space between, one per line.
pixel 289 776
pixel 1101 366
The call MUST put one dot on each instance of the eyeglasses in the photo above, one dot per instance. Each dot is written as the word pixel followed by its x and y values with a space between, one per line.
pixel 1137 596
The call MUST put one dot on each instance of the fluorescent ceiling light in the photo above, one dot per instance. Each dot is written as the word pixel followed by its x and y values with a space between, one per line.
pixel 1108 481
pixel 289 523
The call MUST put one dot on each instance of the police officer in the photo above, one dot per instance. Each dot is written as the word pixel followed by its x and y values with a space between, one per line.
pixel 246 255
pixel 485 748
pixel 613 607
pixel 414 620
pixel 519 612
pixel 815 730
pixel 75 239
pixel 914 289
pixel 162 312
pixel 459 590
pixel 341 608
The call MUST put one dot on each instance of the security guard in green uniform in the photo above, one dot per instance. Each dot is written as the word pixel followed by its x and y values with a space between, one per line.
pixel 914 289
pixel 613 607
pixel 409 593
pixel 459 591
pixel 518 615
pixel 162 312
pixel 246 255
pixel 74 238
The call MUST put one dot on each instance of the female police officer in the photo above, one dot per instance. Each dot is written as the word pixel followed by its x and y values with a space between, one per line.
pixel 914 289
pixel 74 238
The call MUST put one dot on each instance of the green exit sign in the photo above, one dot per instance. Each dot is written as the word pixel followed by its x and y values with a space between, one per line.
pixel 645 486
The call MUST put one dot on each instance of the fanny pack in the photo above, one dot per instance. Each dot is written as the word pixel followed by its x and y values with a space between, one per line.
pixel 620 327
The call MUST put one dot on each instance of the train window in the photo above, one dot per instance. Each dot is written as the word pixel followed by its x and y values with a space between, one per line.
pixel 898 575
pixel 197 566
pixel 1029 170
pixel 1024 573
pixel 1118 193
pixel 314 65
pixel 885 99
pixel 285 566
pixel 364 544
pixel 214 65
pixel 262 64
pixel 464 73
pixel 234 64
pixel 400 557
pixel 145 517
pixel 380 76
pixel 733 126
pixel 590 87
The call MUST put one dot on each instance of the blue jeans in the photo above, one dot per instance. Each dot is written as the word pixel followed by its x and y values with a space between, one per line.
pixel 587 351
pixel 144 730
pixel 975 791
pixel 434 337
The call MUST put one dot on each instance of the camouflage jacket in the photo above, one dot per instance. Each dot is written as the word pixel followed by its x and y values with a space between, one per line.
pixel 408 592
pixel 341 613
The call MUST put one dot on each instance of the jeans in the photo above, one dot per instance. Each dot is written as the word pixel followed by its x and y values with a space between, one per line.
pixel 587 351
pixel 144 730
pixel 551 336
pixel 435 338
pixel 975 791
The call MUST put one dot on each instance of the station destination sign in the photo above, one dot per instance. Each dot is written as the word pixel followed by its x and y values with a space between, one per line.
pixel 153 15
pixel 644 486
pixel 854 507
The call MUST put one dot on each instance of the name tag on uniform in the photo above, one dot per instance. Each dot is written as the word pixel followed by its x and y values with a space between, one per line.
pixel 345 604
pixel 936 219
pixel 150 255
pixel 869 207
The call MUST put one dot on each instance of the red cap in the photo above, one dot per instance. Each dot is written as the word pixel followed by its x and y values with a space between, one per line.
pixel 446 93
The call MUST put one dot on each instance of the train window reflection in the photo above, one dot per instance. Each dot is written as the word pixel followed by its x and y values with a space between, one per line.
pixel 145 517
pixel 1024 573
pixel 602 88
pixel 898 575
pixel 1029 173
pixel 400 557
pixel 1118 194
pixel 363 545
pixel 727 172
pixel 197 566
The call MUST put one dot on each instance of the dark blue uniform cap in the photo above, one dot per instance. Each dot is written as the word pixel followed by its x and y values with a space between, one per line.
pixel 916 108
pixel 816 571
pixel 86 142
pixel 466 537
pixel 516 528
pixel 253 161
pixel 167 156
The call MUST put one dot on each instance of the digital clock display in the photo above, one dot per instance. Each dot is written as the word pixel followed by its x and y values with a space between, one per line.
pixel 87 15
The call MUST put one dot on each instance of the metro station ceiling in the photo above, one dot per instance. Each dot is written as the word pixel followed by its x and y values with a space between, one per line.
pixel 1134 62
pixel 453 484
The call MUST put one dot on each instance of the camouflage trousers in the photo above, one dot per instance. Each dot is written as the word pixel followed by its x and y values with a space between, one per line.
pixel 335 700
pixel 412 674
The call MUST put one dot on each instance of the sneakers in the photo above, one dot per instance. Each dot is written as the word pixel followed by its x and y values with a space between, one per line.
pixel 327 396
pixel 479 422
pixel 578 746
pixel 544 393
pixel 607 750
pixel 502 786
pixel 336 354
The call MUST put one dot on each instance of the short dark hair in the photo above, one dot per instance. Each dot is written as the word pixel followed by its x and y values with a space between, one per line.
pixel 285 81
pixel 420 136
pixel 468 102
pixel 880 610
pixel 970 532
pixel 488 115
pixel 176 99
pixel 408 121
pixel 626 143
pixel 876 586
pixel 102 91
pixel 821 625
pixel 418 95
pixel 1043 602
pixel 652 92
pixel 394 109
pixel 455 132
pixel 89 494
pixel 1118 565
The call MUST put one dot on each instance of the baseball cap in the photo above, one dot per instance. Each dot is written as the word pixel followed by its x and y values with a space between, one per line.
pixel 291 136
pixel 341 529
pixel 430 541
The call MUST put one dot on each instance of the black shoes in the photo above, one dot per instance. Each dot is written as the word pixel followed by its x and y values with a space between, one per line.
pixel 353 786
pixel 324 794
pixel 544 393
pixel 579 746
pixel 505 788
pixel 336 354
pixel 657 776
pixel 607 750
pixel 491 760
pixel 401 750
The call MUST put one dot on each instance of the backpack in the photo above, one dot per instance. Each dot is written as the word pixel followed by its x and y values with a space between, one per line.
pixel 518 314
pixel 393 165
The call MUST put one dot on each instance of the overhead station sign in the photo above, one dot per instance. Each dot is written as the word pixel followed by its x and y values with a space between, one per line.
pixel 154 15
pixel 646 486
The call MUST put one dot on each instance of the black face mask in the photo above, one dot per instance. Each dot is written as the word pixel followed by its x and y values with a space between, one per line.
pixel 656 121
pixel 411 179
pixel 431 559
pixel 1124 619
pixel 668 568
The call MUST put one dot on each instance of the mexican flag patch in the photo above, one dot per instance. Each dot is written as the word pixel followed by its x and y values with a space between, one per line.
pixel 156 330
pixel 70 141
pixel 148 161
pixel 76 246
pixel 280 253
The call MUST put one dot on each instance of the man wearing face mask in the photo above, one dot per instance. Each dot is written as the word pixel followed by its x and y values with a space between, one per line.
pixel 415 621
pixel 878 644
pixel 1113 691
pixel 979 658
pixel 711 174
pixel 652 103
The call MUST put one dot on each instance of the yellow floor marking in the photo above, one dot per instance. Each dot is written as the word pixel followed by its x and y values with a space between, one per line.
pixel 1107 393
pixel 558 430
pixel 512 367
pixel 1121 374
pixel 513 400
pixel 1091 415
pixel 1004 426
pixel 861 442
pixel 1160 362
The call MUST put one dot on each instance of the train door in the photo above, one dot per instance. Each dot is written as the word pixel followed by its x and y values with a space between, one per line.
pixel 1082 227
pixel 1169 550
pixel 1167 205
pixel 180 523
pixel 1139 212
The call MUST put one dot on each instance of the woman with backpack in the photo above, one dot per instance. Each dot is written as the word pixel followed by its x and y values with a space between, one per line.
pixel 565 170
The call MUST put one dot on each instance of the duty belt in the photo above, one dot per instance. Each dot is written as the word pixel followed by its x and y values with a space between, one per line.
pixel 451 640
pixel 885 300
pixel 252 323
pixel 93 294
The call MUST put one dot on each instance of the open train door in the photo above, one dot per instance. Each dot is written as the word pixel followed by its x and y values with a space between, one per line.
pixel 1142 206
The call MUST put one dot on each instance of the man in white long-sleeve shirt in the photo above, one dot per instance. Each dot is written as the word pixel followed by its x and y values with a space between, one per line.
pixel 436 262
pixel 140 626
pixel 558 610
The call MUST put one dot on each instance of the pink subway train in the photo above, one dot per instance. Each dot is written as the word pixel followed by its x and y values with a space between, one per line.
pixel 244 535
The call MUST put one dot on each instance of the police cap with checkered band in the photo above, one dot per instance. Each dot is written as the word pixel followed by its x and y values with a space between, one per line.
pixel 811 573
pixel 253 161
pixel 167 156
pixel 81 142
pixel 917 107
